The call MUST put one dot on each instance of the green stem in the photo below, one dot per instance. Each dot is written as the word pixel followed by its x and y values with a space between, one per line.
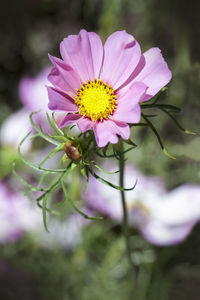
pixel 125 215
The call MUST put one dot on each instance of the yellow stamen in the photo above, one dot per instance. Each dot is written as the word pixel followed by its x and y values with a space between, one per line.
pixel 96 100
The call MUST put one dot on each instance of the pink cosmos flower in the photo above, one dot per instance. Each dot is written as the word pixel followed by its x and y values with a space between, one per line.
pixel 34 97
pixel 100 88
pixel 163 218
pixel 20 122
pixel 17 215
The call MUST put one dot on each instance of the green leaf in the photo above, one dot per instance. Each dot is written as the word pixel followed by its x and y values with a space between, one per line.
pixel 42 178
pixel 167 106
pixel 84 172
pixel 130 142
pixel 100 169
pixel 52 153
pixel 60 138
pixel 119 154
pixel 40 131
pixel 138 124
pixel 109 183
pixel 44 204
pixel 56 125
pixel 33 166
pixel 28 185
pixel 168 154
pixel 158 137
pixel 157 98
pixel 75 207
pixel 34 136
pixel 177 123
pixel 46 194
pixel 104 156
pixel 55 131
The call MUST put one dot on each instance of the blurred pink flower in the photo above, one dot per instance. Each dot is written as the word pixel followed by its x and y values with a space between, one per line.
pixel 100 88
pixel 66 234
pixel 17 215
pixel 174 216
pixel 163 218
pixel 19 123
pixel 34 97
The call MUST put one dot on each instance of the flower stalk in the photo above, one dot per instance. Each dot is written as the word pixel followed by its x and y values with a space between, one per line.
pixel 125 214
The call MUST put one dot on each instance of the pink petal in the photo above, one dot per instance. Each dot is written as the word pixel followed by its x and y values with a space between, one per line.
pixel 128 109
pixel 155 73
pixel 160 234
pixel 104 133
pixel 84 124
pixel 133 75
pixel 108 131
pixel 132 116
pixel 59 100
pixel 84 53
pixel 63 76
pixel 180 206
pixel 121 56
pixel 122 129
pixel 70 119
pixel 32 91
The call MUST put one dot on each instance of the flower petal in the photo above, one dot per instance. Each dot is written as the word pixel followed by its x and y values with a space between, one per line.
pixel 63 76
pixel 132 116
pixel 32 91
pixel 121 56
pixel 59 100
pixel 69 119
pixel 161 235
pixel 180 206
pixel 155 73
pixel 108 131
pixel 128 109
pixel 84 53
pixel 19 121
pixel 122 129
pixel 84 124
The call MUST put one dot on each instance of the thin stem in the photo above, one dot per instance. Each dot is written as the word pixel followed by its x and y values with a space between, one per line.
pixel 125 215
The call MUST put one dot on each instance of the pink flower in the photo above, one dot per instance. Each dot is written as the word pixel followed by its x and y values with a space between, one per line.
pixel 100 88
pixel 17 215
pixel 173 216
pixel 163 218
pixel 34 97
pixel 19 121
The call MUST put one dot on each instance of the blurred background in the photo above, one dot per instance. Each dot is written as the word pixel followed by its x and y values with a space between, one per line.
pixel 78 259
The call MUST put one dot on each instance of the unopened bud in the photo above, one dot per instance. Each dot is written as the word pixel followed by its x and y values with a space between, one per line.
pixel 71 151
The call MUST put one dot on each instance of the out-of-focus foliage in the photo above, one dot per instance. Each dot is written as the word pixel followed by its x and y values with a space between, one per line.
pixel 97 268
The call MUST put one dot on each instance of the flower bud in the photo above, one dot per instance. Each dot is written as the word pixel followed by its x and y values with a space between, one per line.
pixel 71 151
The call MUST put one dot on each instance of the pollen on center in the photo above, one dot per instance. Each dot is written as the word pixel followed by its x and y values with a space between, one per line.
pixel 96 100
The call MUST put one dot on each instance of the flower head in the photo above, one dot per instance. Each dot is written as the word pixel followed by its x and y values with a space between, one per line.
pixel 163 218
pixel 100 88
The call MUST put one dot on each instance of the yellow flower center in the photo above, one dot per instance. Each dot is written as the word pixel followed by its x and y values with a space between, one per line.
pixel 96 100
